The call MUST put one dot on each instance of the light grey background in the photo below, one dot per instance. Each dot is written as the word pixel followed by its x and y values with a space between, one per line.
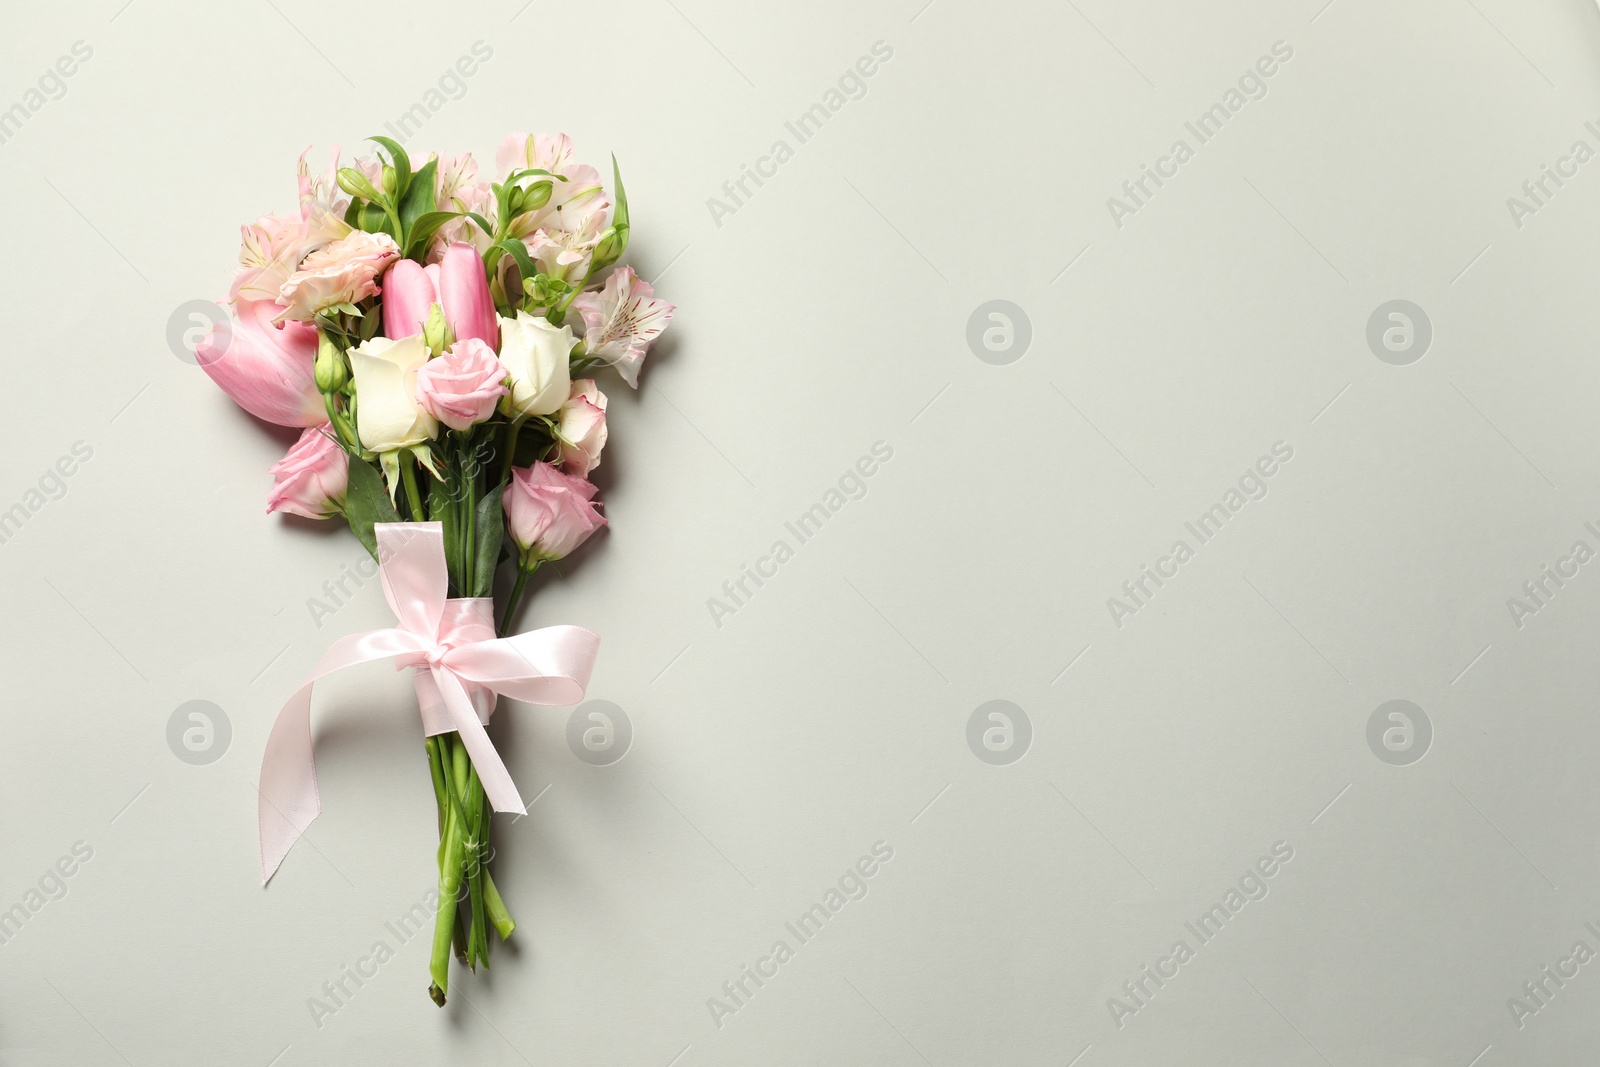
pixel 831 711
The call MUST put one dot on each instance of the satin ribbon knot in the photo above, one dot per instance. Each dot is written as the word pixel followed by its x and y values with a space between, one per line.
pixel 460 667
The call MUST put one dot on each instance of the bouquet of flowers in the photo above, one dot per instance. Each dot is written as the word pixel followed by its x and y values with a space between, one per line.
pixel 428 330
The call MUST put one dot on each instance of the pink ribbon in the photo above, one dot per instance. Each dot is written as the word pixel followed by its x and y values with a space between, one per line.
pixel 460 666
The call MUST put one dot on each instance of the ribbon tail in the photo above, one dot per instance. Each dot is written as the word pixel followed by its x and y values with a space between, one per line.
pixel 289 801
pixel 497 783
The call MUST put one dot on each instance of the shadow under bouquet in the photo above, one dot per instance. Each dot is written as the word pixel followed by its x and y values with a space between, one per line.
pixel 430 332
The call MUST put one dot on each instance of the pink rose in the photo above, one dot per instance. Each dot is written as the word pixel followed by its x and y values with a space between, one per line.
pixel 549 513
pixel 457 283
pixel 461 387
pixel 311 479
pixel 267 369
pixel 581 427
pixel 343 272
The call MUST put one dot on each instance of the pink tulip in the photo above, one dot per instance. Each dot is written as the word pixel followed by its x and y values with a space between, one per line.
pixel 267 369
pixel 464 293
pixel 549 513
pixel 312 479
pixel 408 290
pixel 458 283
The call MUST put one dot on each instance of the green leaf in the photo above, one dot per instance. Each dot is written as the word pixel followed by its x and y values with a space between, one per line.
pixel 423 229
pixel 366 503
pixel 418 199
pixel 490 529
pixel 619 218
pixel 400 161
pixel 483 224
pixel 519 175
pixel 519 252
pixel 440 510
pixel 374 219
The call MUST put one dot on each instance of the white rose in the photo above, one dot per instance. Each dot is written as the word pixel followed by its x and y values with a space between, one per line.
pixel 388 416
pixel 535 355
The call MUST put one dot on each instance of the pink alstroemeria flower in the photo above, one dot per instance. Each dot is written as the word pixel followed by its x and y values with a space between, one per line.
pixel 572 202
pixel 273 247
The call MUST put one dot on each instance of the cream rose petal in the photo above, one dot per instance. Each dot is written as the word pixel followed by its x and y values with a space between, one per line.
pixel 388 416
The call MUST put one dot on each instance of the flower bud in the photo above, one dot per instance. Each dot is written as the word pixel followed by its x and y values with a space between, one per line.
pixel 533 197
pixel 435 331
pixel 610 247
pixel 390 180
pixel 355 183
pixel 331 371
pixel 545 291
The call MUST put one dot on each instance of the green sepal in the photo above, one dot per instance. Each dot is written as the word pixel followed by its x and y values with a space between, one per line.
pixel 390 462
pixel 424 455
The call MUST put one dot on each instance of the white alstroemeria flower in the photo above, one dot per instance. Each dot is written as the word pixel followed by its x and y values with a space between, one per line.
pixel 621 320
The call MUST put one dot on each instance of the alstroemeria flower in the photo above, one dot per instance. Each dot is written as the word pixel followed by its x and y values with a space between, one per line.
pixel 522 151
pixel 269 251
pixel 321 208
pixel 565 254
pixel 273 246
pixel 571 202
pixel 621 321
pixel 456 188
pixel 344 272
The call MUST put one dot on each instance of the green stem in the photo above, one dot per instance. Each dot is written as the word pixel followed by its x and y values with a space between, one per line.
pixel 444 920
pixel 478 935
pixel 436 772
pixel 496 908
pixel 525 571
pixel 511 447
pixel 408 474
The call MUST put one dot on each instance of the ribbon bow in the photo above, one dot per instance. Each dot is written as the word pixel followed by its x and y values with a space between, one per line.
pixel 460 665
